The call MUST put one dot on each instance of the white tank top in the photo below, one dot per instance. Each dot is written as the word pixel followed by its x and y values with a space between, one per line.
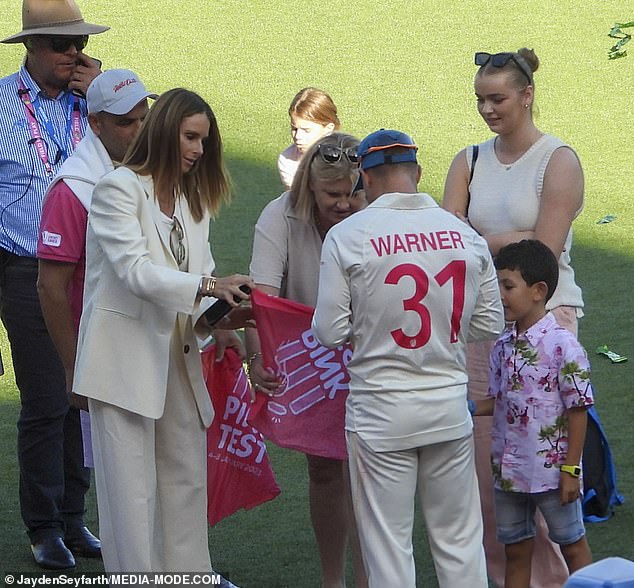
pixel 505 197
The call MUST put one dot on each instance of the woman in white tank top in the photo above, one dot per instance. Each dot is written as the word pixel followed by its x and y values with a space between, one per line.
pixel 524 185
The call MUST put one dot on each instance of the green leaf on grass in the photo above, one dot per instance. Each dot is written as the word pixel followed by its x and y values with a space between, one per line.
pixel 616 32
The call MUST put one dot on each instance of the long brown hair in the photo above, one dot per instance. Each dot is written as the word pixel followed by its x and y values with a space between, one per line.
pixel 156 152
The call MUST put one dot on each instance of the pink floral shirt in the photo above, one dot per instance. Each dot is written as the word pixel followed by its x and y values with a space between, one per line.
pixel 535 378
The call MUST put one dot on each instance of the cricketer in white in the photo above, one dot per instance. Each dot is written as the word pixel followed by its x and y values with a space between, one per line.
pixel 409 284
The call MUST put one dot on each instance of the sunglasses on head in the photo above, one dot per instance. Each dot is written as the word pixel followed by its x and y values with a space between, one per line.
pixel 333 153
pixel 501 59
pixel 63 44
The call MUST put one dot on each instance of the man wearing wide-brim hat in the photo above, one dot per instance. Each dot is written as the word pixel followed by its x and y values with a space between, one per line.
pixel 42 118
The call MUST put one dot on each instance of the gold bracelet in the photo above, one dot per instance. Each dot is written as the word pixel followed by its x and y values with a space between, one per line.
pixel 207 286
pixel 251 359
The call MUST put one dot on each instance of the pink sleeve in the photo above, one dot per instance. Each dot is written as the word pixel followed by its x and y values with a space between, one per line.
pixel 574 374
pixel 62 234
pixel 495 370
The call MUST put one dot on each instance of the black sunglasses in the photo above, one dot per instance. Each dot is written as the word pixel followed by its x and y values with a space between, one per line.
pixel 501 59
pixel 63 44
pixel 333 153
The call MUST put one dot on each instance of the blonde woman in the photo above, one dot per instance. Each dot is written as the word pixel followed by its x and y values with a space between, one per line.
pixel 285 262
pixel 521 184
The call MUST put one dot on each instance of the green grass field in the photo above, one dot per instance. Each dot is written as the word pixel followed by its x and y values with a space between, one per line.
pixel 405 65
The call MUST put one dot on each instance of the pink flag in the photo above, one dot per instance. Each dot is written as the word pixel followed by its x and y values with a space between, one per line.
pixel 308 412
pixel 239 474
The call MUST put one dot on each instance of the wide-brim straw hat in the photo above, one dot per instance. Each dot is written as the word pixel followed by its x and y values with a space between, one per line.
pixel 53 17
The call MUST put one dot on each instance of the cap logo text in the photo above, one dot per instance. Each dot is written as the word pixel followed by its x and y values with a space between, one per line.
pixel 123 84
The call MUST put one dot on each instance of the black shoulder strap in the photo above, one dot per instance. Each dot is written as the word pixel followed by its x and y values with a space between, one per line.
pixel 474 158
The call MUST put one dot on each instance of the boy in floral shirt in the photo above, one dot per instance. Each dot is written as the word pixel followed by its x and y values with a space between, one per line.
pixel 539 390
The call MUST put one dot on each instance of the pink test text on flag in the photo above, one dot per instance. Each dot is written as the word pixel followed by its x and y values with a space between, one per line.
pixel 239 473
pixel 308 411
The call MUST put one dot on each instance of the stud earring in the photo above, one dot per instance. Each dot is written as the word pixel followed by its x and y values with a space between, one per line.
pixel 525 105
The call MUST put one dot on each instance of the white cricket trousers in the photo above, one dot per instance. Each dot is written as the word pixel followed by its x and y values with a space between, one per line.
pixel 383 494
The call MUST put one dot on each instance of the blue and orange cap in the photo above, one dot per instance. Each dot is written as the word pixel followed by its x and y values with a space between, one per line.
pixel 374 149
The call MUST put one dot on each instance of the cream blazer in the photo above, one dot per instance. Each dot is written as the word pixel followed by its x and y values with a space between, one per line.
pixel 132 294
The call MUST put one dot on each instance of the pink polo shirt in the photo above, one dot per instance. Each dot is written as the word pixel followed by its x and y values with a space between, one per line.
pixel 62 238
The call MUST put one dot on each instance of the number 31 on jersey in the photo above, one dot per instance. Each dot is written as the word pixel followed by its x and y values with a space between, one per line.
pixel 454 274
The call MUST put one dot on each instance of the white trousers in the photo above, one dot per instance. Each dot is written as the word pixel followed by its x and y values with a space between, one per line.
pixel 383 495
pixel 151 480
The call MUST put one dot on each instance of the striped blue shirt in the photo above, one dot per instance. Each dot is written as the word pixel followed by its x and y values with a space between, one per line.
pixel 23 177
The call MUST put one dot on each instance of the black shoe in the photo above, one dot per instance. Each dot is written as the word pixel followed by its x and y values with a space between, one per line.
pixel 224 583
pixel 82 542
pixel 52 554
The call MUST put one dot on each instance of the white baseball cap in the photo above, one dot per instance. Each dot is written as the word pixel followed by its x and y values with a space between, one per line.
pixel 116 91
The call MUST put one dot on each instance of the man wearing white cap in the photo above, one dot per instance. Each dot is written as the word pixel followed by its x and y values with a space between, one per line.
pixel 117 105
pixel 42 119
pixel 408 284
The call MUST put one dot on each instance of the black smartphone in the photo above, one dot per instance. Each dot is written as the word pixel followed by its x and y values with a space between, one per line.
pixel 79 93
pixel 221 308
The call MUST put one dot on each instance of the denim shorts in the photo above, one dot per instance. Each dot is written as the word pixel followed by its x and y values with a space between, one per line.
pixel 515 517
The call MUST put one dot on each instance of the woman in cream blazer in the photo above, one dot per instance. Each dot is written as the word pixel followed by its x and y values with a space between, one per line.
pixel 149 278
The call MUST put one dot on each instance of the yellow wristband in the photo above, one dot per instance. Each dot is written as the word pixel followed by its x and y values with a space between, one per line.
pixel 573 470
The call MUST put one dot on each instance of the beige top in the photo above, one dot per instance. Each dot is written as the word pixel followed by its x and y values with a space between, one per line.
pixel 286 252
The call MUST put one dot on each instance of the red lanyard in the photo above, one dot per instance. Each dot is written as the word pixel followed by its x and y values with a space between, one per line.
pixel 74 126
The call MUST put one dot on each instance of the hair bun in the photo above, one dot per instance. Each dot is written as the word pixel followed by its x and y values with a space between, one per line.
pixel 530 58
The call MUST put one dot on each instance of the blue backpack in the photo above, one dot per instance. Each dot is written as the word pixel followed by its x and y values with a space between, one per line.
pixel 600 494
